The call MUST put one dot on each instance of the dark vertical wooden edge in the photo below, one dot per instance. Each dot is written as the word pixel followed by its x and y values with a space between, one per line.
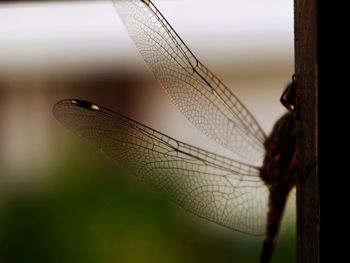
pixel 306 69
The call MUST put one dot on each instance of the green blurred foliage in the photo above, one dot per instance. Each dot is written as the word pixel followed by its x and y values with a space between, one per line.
pixel 92 212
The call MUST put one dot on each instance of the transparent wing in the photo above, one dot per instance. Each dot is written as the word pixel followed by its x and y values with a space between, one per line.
pixel 219 189
pixel 196 91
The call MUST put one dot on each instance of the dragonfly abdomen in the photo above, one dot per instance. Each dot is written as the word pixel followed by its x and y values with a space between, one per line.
pixel 277 202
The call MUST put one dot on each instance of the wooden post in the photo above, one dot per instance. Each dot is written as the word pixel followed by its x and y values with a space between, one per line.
pixel 306 69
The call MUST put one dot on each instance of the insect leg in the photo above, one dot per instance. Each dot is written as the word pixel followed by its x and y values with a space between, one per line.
pixel 289 98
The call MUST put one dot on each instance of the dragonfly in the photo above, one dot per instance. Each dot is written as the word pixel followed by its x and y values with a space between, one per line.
pixel 236 194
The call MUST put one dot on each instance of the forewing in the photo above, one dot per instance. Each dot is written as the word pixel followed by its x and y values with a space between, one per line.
pixel 196 91
pixel 217 188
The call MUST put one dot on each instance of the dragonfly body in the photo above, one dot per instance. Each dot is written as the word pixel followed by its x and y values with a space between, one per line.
pixel 235 194
pixel 277 172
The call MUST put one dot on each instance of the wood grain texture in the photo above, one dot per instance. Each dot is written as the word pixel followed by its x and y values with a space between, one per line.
pixel 306 69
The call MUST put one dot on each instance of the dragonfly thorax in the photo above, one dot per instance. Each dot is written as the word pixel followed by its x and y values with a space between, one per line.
pixel 279 162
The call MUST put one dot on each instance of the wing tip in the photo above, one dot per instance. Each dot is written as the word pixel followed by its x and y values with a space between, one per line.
pixel 146 2
pixel 81 103
pixel 76 102
pixel 85 104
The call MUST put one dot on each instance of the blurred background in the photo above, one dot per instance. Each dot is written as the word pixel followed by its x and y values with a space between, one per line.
pixel 60 201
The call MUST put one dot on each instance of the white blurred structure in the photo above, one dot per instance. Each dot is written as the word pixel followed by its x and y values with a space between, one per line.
pixel 244 31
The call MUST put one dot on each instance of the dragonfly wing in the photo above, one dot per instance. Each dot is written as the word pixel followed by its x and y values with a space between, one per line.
pixel 193 88
pixel 214 187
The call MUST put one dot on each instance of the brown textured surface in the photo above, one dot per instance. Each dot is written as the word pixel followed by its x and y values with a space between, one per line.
pixel 306 68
